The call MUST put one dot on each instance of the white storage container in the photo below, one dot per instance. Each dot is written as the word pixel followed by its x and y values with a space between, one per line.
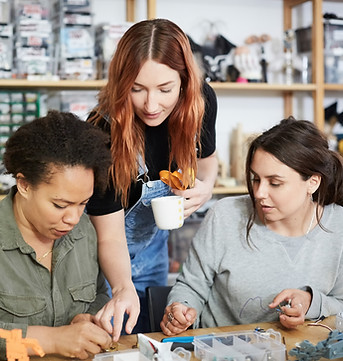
pixel 240 346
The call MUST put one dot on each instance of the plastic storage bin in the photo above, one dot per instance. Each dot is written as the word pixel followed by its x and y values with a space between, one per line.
pixel 33 47
pixel 333 48
pixel 16 108
pixel 5 11
pixel 80 103
pixel 128 355
pixel 107 37
pixel 74 33
pixel 6 50
pixel 240 346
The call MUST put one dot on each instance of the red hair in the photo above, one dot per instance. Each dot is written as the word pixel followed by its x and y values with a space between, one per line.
pixel 164 42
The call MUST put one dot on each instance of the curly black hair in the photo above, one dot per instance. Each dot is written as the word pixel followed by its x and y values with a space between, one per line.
pixel 58 139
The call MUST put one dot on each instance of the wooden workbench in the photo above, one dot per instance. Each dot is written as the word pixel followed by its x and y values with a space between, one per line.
pixel 290 337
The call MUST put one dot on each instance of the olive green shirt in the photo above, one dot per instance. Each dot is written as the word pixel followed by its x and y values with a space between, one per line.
pixel 30 294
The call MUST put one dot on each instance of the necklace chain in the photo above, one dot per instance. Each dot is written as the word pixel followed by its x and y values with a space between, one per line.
pixel 44 255
pixel 308 229
pixel 312 219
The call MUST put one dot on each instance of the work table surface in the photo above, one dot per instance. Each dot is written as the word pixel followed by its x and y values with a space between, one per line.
pixel 290 337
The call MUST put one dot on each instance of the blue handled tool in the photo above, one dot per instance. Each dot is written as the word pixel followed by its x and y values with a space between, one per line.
pixel 185 342
pixel 184 339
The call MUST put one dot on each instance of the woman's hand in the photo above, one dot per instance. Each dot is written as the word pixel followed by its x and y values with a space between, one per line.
pixel 80 340
pixel 83 317
pixel 177 318
pixel 195 197
pixel 203 185
pixel 123 301
pixel 297 304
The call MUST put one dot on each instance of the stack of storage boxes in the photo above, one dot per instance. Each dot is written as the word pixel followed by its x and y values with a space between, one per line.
pixel 33 50
pixel 333 48
pixel 74 101
pixel 74 39
pixel 55 39
pixel 6 40
pixel 107 37
pixel 16 108
pixel 333 30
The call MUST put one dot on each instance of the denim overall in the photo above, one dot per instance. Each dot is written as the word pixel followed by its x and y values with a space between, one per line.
pixel 148 245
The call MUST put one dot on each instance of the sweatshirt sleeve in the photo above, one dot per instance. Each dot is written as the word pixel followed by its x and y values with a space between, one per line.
pixel 194 283
pixel 326 305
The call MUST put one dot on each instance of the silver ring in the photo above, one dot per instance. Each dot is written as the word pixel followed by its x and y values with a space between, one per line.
pixel 167 324
pixel 170 317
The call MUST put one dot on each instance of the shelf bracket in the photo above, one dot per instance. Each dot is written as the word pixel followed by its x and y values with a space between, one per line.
pixel 131 10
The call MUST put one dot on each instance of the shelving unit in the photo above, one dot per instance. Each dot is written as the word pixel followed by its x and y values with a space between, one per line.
pixel 317 56
pixel 288 92
pixel 317 88
pixel 131 9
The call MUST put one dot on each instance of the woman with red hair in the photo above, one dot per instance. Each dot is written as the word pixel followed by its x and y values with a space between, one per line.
pixel 161 116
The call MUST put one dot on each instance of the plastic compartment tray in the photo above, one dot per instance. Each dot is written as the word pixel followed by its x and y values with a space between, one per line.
pixel 127 355
pixel 240 346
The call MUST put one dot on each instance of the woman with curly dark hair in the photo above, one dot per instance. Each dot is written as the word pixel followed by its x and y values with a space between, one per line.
pixel 50 284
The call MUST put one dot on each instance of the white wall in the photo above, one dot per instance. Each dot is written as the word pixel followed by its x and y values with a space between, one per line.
pixel 236 20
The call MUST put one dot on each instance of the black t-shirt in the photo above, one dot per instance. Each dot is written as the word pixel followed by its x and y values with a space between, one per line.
pixel 157 156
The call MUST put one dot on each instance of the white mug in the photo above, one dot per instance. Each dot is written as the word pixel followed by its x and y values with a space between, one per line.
pixel 168 212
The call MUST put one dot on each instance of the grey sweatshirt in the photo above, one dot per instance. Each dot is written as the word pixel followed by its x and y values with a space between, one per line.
pixel 230 283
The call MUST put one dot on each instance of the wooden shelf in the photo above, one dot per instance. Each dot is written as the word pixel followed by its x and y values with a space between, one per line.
pixel 230 190
pixel 263 87
pixel 51 84
pixel 333 87
pixel 97 84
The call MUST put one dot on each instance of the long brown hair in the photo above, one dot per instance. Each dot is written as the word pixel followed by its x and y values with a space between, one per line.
pixel 164 42
pixel 303 147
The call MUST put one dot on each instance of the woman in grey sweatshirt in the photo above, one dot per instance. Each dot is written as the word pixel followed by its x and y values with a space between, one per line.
pixel 276 253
